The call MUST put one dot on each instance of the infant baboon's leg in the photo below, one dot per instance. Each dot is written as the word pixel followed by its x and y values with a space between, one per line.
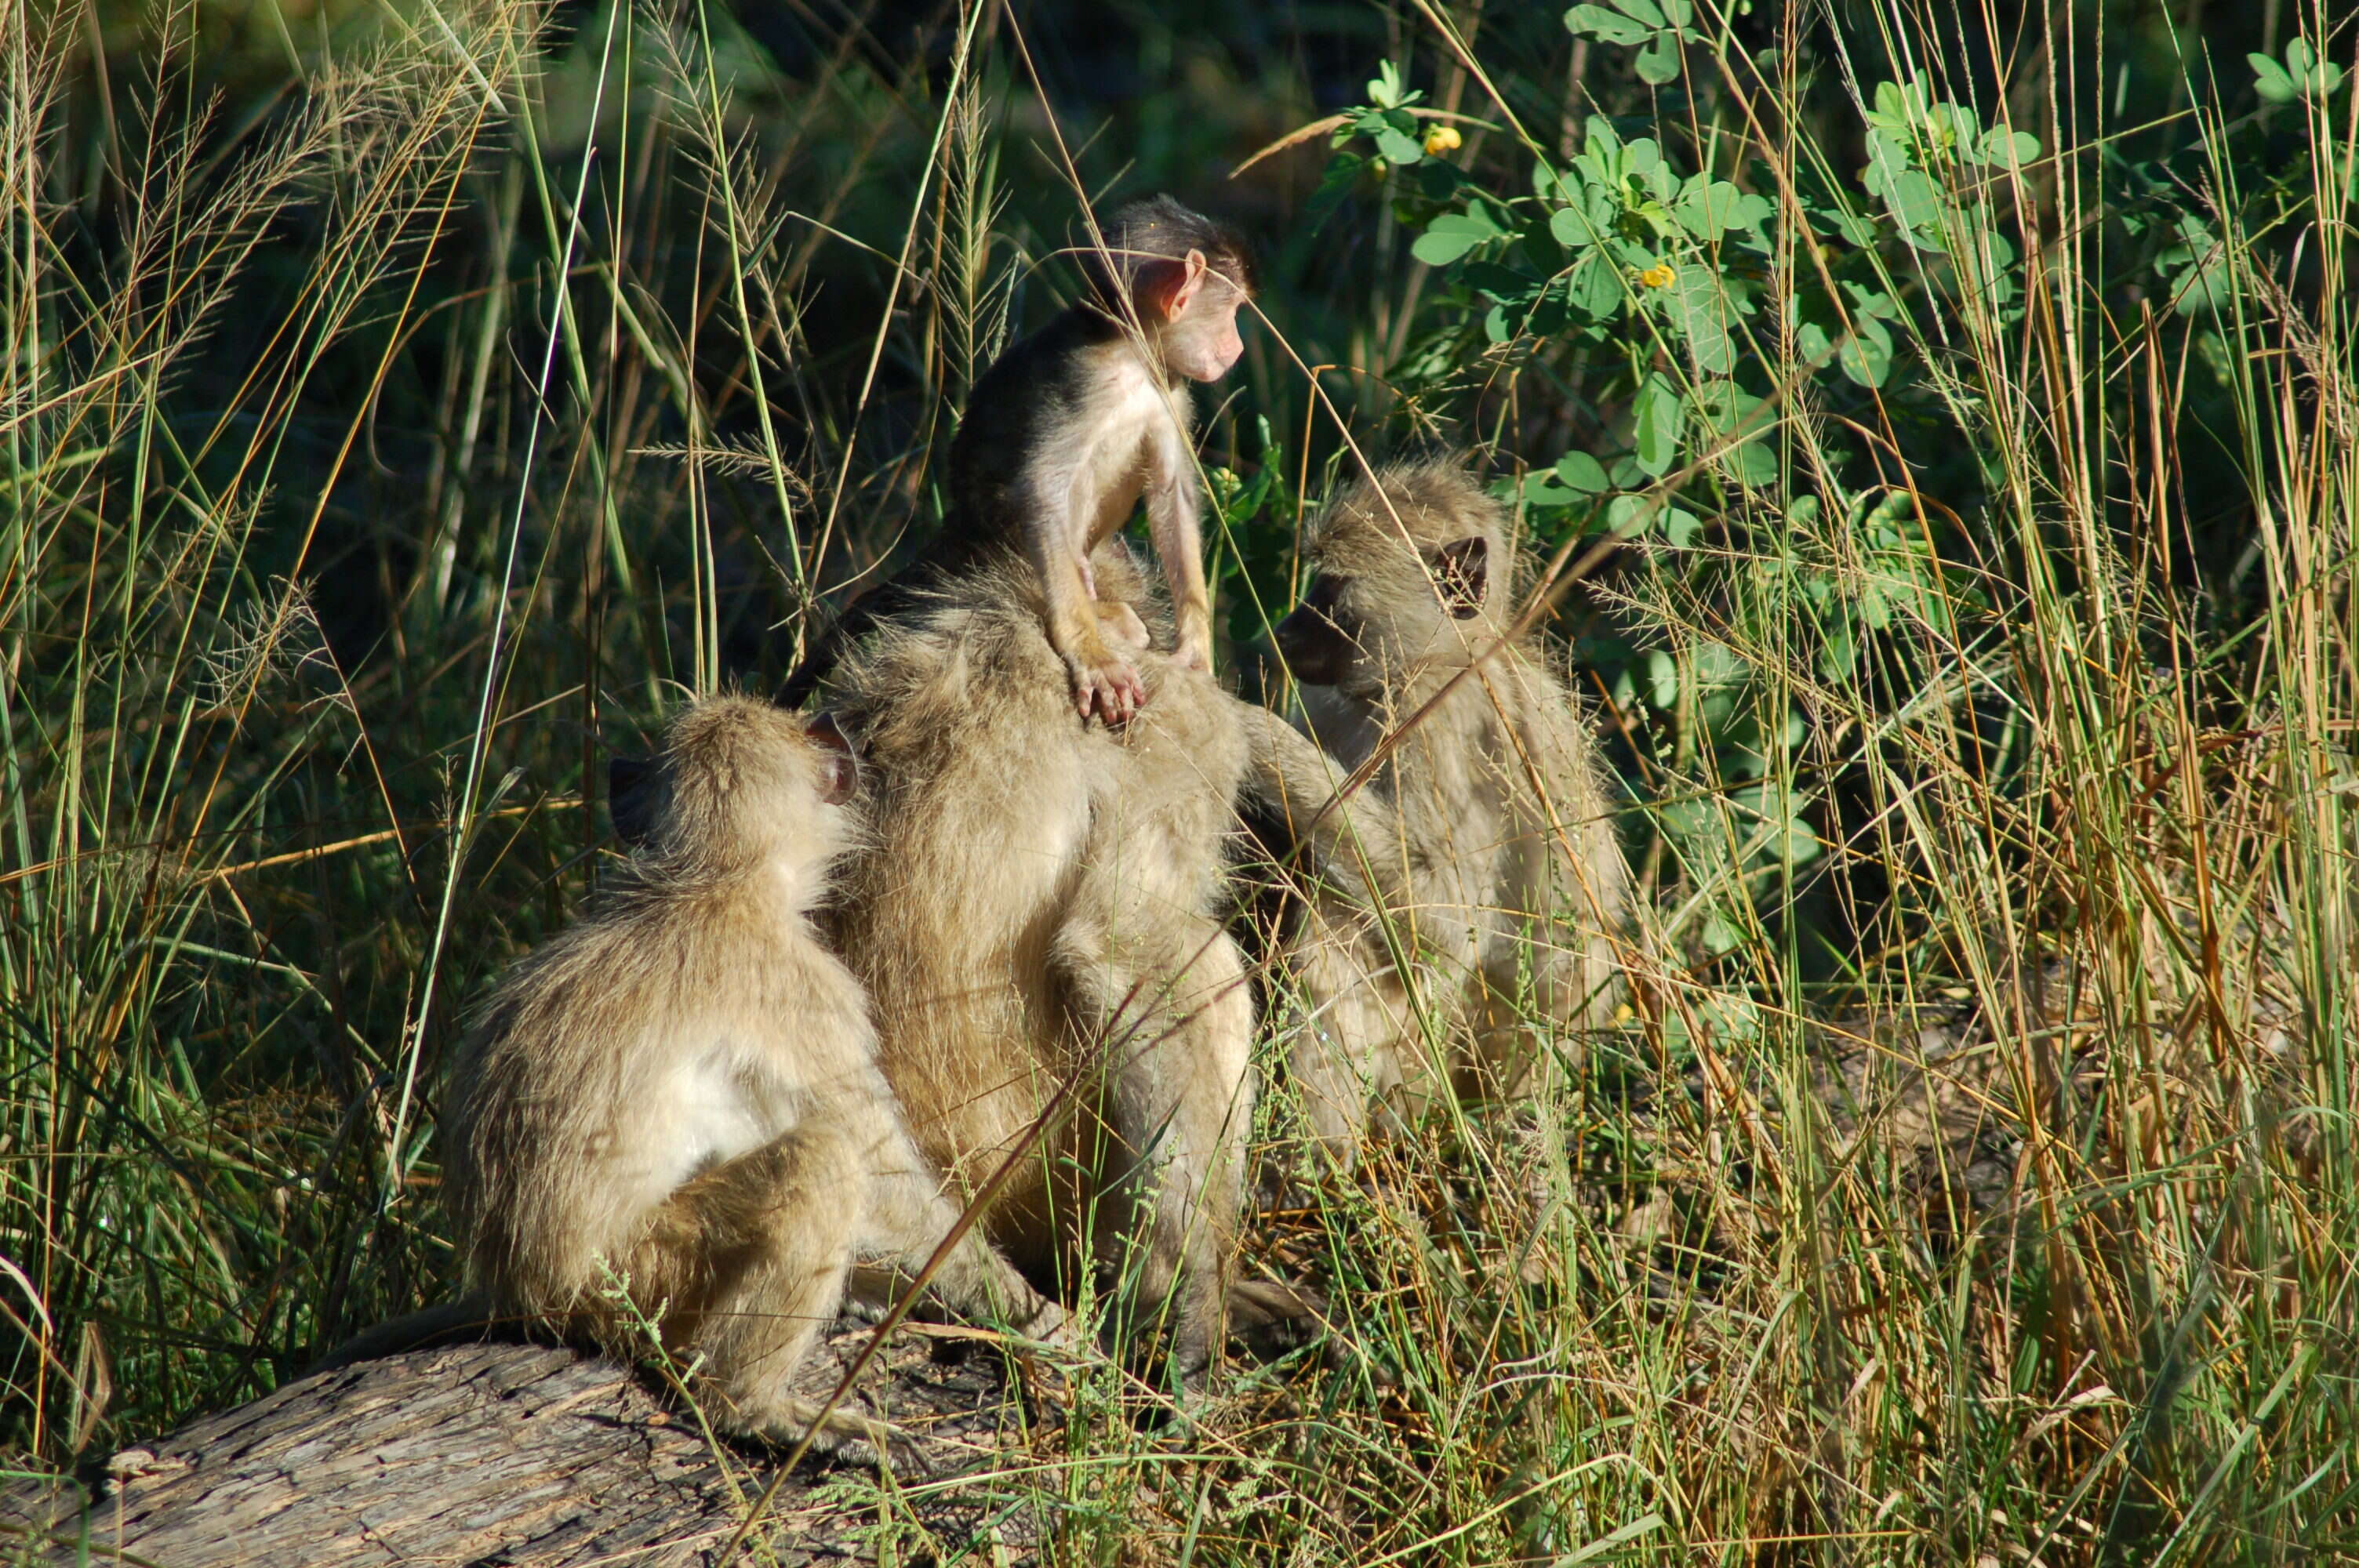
pixel 1120 623
pixel 756 1249
pixel 1166 999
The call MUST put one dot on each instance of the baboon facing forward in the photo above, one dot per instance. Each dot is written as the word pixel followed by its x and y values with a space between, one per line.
pixel 681 1092
pixel 1070 430
pixel 1498 820
pixel 1035 916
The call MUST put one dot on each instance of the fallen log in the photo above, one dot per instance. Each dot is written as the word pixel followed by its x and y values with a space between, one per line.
pixel 529 1456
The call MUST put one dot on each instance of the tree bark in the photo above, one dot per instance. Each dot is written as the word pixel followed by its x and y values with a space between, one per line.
pixel 529 1456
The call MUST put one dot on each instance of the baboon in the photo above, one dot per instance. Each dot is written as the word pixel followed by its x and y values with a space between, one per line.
pixel 1498 816
pixel 672 1111
pixel 1066 431
pixel 1035 916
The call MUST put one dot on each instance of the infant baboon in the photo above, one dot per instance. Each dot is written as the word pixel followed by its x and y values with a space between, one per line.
pixel 682 1092
pixel 1066 432
pixel 1035 918
pixel 1497 821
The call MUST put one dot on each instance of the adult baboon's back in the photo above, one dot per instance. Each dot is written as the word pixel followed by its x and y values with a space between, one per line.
pixel 1039 908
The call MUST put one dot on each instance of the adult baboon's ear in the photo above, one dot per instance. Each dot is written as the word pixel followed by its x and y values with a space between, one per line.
pixel 1461 569
pixel 841 780
pixel 630 798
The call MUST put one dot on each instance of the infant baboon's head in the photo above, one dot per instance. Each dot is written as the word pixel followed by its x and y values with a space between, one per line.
pixel 1412 570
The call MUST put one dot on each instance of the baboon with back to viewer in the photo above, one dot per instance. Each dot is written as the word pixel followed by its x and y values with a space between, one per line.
pixel 1035 917
pixel 682 1092
pixel 1498 819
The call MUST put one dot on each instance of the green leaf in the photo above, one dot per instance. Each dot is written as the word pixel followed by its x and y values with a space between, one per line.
pixel 1697 310
pixel 1661 60
pixel 1720 934
pixel 1752 213
pixel 1343 173
pixel 1724 407
pixel 1609 27
pixel 2008 149
pixel 1451 236
pixel 1595 290
pixel 1755 462
pixel 1399 146
pixel 1385 91
pixel 1710 208
pixel 1441 249
pixel 1579 471
pixel 1540 489
pixel 1680 528
pixel 1917 205
pixel 2304 74
pixel 1813 343
pixel 1867 352
pixel 1572 228
pixel 1855 228
pixel 1644 11
pixel 2206 280
pixel 1873 608
pixel 1662 676
pixel 1868 301
pixel 1657 416
pixel 1720 404
pixel 1626 516
pixel 2271 81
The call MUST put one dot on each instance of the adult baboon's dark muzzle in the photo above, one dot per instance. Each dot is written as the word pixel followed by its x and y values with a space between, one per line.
pixel 1314 640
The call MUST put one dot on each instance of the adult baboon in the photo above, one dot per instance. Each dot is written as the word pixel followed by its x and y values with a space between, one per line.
pixel 1035 917
pixel 1498 821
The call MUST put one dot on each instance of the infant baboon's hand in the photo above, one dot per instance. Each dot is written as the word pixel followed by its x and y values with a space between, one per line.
pixel 1106 686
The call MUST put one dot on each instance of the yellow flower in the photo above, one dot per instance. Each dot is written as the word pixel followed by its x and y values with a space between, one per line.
pixel 1659 276
pixel 1441 139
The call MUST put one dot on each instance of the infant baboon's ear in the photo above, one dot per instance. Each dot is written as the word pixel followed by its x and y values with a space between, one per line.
pixel 631 798
pixel 841 780
pixel 1461 569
